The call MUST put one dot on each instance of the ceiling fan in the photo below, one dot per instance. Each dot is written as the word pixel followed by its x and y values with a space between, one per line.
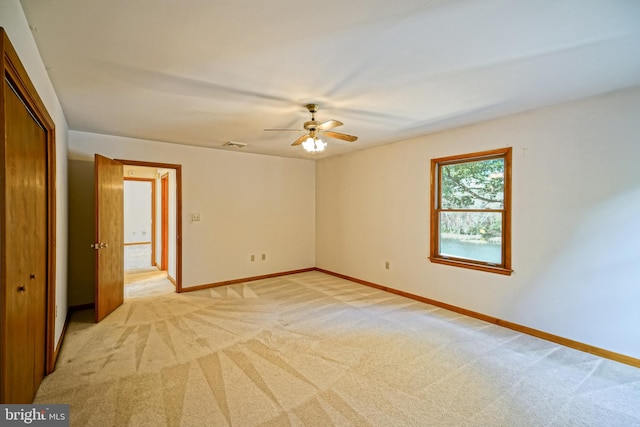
pixel 311 141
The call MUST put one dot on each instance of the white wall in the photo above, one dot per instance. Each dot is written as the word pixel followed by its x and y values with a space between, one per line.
pixel 12 19
pixel 137 211
pixel 576 220
pixel 248 203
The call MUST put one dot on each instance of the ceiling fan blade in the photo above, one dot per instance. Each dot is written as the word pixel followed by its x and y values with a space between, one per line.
pixel 284 130
pixel 329 124
pixel 342 136
pixel 300 140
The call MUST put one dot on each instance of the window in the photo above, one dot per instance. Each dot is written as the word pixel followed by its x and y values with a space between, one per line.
pixel 471 211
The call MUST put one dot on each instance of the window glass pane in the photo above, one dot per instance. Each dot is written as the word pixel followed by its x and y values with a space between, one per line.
pixel 475 185
pixel 472 235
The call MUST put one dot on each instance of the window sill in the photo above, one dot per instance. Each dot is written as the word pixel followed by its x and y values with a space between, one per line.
pixel 472 266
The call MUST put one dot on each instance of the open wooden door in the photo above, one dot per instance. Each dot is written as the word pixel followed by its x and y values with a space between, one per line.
pixel 109 243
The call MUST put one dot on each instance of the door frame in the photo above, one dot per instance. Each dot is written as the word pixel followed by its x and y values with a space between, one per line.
pixel 14 72
pixel 164 222
pixel 178 242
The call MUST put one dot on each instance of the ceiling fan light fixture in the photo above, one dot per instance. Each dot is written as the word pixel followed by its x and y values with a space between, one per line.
pixel 314 145
pixel 310 142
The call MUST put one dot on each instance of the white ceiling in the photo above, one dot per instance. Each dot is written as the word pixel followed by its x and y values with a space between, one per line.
pixel 203 72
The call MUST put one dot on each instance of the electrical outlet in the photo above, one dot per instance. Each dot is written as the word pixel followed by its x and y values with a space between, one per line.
pixel 253 258
pixel 264 256
pixel 386 265
pixel 195 217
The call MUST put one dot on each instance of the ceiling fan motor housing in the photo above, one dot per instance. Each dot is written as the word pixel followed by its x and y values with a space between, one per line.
pixel 311 125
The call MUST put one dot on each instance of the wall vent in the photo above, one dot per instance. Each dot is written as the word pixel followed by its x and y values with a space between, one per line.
pixel 234 144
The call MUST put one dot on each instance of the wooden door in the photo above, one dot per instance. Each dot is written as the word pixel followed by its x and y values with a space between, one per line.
pixel 25 251
pixel 164 222
pixel 109 242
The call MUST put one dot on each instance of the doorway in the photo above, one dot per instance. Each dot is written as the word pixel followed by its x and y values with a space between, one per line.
pixel 144 273
pixel 153 250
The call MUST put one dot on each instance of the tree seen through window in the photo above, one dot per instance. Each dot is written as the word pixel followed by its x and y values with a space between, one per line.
pixel 469 209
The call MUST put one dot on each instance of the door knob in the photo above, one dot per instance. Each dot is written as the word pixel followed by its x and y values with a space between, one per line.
pixel 21 288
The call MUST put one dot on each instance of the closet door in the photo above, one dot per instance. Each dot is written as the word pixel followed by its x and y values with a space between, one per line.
pixel 25 250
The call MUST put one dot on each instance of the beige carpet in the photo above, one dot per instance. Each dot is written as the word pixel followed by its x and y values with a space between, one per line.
pixel 314 350
pixel 144 282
